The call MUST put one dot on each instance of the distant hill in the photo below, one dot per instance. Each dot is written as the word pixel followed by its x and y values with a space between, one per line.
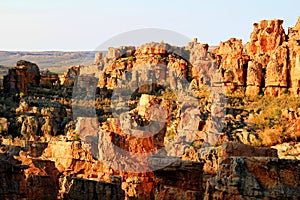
pixel 47 59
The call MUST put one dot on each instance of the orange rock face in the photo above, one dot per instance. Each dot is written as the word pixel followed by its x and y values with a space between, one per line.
pixel 266 36
pixel 68 78
pixel 232 63
pixel 12 180
pixel 32 70
pixel 19 78
pixel 254 178
pixel 254 78
pixel 294 57
pixel 16 80
pixel 268 52
pixel 49 78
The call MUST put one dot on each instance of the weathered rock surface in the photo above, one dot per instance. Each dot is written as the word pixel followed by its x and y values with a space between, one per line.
pixel 232 63
pixel 29 127
pixel 92 189
pixel 179 180
pixel 39 175
pixel 25 74
pixel 231 170
pixel 254 78
pixel 69 77
pixel 73 160
pixel 255 178
pixel 268 50
pixel 16 80
pixel 12 180
pixel 49 78
pixel 294 58
pixel 214 155
pixel 266 36
pixel 32 70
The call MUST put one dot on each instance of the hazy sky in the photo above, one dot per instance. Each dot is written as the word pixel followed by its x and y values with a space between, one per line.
pixel 73 25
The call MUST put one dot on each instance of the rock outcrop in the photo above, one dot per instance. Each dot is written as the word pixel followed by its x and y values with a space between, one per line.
pixel 294 58
pixel 230 171
pixel 266 64
pixel 16 80
pixel 91 189
pixel 25 74
pixel 49 78
pixel 267 35
pixel 32 70
pixel 253 177
pixel 69 77
pixel 232 63
pixel 12 181
pixel 254 78
pixel 179 180
pixel 268 57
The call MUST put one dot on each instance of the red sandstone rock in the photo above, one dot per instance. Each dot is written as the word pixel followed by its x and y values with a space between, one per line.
pixel 69 77
pixel 268 50
pixel 277 72
pixel 16 81
pixel 254 177
pixel 180 180
pixel 294 57
pixel 232 63
pixel 266 36
pixel 49 78
pixel 254 78
pixel 12 180
pixel 32 70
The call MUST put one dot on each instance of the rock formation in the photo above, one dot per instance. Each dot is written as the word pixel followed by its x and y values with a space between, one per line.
pixel 254 78
pixel 49 78
pixel 267 35
pixel 68 78
pixel 179 180
pixel 230 170
pixel 12 184
pixel 232 64
pixel 16 80
pixel 294 58
pixel 19 78
pixel 268 50
pixel 32 70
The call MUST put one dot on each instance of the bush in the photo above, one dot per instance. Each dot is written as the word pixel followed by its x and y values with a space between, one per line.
pixel 76 137
pixel 271 136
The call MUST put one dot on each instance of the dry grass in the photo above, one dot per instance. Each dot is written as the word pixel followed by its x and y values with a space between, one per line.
pixel 271 136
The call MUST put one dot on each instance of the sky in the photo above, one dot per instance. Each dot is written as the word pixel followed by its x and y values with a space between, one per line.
pixel 84 25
